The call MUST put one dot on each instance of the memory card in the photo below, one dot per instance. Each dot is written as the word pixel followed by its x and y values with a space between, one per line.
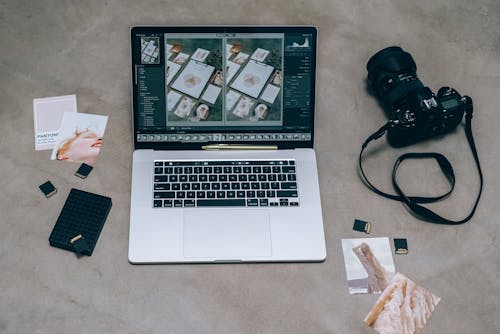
pixel 84 171
pixel 362 226
pixel 400 246
pixel 48 189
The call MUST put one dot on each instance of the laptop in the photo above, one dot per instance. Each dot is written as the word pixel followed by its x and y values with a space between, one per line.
pixel 223 167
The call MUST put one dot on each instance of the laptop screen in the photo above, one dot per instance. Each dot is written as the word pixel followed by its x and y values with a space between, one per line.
pixel 198 85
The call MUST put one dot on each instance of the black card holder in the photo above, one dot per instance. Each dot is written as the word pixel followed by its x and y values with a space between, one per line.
pixel 80 222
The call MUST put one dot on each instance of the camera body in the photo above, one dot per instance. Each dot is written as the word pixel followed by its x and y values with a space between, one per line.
pixel 414 111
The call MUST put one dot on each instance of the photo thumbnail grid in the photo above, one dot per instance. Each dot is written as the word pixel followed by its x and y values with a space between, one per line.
pixel 213 81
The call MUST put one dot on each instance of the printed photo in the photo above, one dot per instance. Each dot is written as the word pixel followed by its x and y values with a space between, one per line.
pixel 368 263
pixel 252 78
pixel 184 107
pixel 231 99
pixel 243 107
pixel 181 58
pixel 277 78
pixel 48 113
pixel 270 93
pixel 80 138
pixel 193 78
pixel 260 55
pixel 260 112
pixel 172 69
pixel 217 79
pixel 200 54
pixel 211 94
pixel 201 113
pixel 172 98
pixel 240 58
pixel 231 69
pixel 403 307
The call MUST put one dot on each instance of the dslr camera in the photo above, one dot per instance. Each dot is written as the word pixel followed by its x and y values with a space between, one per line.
pixel 414 111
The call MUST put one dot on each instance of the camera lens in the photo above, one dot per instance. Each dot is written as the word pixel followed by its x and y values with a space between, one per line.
pixel 392 74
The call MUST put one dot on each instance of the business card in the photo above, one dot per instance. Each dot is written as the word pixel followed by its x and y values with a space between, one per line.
pixel 47 114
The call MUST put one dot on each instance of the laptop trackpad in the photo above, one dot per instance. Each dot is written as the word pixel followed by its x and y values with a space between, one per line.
pixel 227 234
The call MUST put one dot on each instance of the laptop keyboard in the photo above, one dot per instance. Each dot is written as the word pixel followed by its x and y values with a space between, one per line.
pixel 225 183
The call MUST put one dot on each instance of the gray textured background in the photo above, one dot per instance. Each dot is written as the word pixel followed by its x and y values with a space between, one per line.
pixel 51 48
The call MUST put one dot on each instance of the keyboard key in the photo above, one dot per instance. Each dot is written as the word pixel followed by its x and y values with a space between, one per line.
pixel 157 203
pixel 158 163
pixel 162 186
pixel 210 194
pixel 191 194
pixel 167 203
pixel 252 202
pixel 164 194
pixel 231 194
pixel 158 170
pixel 235 186
pixel 226 186
pixel 287 193
pixel 221 194
pixel 200 194
pixel 264 202
pixel 288 169
pixel 176 186
pixel 215 186
pixel 288 185
pixel 292 177
pixel 161 178
pixel 189 203
pixel 240 194
pixel 221 202
pixel 177 203
pixel 180 194
pixel 186 186
pixel 173 178
pixel 250 193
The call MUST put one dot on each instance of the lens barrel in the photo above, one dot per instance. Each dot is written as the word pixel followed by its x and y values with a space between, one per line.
pixel 392 73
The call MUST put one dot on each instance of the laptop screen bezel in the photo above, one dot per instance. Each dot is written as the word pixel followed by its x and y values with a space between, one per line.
pixel 159 145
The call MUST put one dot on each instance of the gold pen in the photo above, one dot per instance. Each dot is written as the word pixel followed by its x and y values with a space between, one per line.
pixel 220 147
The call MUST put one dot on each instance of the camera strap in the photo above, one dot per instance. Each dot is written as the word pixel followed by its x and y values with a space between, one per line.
pixel 413 202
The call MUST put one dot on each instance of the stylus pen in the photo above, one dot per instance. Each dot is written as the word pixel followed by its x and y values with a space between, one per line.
pixel 216 147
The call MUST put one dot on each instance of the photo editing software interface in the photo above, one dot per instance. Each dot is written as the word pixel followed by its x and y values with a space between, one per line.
pixel 224 87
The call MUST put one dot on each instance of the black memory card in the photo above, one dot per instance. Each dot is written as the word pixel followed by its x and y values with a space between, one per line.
pixel 362 226
pixel 48 189
pixel 400 246
pixel 84 171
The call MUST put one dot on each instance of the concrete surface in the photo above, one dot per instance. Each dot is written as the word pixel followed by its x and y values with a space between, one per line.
pixel 51 48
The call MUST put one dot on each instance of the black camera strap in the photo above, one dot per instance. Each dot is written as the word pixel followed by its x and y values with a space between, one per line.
pixel 412 202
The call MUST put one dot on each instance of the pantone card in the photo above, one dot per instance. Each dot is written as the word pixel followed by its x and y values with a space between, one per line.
pixel 48 113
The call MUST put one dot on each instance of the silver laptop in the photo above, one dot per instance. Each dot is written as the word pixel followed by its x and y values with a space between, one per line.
pixel 224 168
